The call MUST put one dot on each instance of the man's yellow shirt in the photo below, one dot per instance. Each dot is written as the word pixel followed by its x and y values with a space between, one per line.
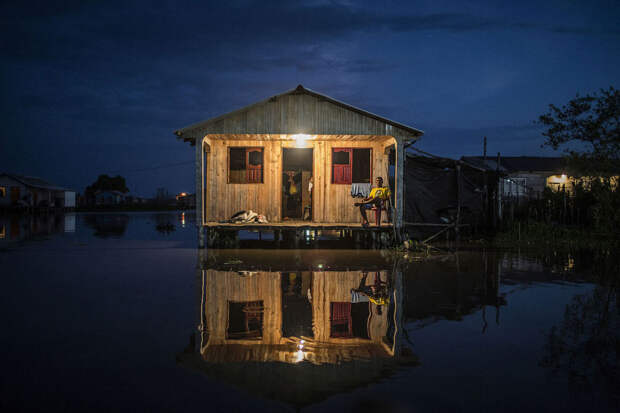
pixel 381 193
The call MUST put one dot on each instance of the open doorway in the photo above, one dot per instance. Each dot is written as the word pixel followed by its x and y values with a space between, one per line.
pixel 297 304
pixel 297 184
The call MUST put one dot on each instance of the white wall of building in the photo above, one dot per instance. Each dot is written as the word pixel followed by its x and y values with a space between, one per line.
pixel 69 199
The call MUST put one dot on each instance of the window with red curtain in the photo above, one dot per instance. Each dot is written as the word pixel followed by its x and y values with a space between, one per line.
pixel 341 324
pixel 245 165
pixel 254 164
pixel 342 162
pixel 351 165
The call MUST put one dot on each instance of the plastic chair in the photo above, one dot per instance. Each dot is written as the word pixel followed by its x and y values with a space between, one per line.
pixel 378 208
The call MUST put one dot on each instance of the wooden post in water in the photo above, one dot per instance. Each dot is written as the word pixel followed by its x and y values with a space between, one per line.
pixel 297 235
pixel 458 203
pixel 485 185
pixel 500 187
pixel 198 168
pixel 400 189
pixel 564 204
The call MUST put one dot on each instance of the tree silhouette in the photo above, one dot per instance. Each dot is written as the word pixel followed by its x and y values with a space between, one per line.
pixel 586 345
pixel 107 183
pixel 590 126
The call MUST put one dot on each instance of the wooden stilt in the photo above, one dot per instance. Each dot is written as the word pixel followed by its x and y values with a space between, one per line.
pixel 458 203
pixel 296 237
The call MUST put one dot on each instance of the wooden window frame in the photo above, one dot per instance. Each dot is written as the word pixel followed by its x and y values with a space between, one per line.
pixel 257 314
pixel 351 149
pixel 248 149
pixel 345 319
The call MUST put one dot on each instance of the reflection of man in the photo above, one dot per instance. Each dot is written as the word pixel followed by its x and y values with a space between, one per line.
pixel 377 293
pixel 376 197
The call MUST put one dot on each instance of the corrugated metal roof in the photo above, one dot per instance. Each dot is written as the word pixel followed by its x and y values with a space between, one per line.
pixel 34 182
pixel 109 191
pixel 511 164
pixel 189 133
pixel 535 163
pixel 489 164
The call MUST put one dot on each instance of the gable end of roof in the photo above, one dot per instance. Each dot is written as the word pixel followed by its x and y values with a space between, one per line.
pixel 190 132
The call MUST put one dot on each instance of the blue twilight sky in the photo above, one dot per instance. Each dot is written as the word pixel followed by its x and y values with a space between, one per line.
pixel 91 87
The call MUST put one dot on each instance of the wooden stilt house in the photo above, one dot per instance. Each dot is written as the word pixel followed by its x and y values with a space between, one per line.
pixel 294 158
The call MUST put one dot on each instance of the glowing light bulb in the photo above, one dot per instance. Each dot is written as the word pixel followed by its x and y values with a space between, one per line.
pixel 300 139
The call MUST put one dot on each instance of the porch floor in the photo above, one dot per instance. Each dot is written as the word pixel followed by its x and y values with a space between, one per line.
pixel 292 225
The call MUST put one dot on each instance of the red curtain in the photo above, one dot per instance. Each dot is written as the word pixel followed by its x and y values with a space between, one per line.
pixel 341 172
pixel 254 171
pixel 341 325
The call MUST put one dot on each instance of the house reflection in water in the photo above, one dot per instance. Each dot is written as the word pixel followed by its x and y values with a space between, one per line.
pixel 15 228
pixel 297 333
pixel 301 325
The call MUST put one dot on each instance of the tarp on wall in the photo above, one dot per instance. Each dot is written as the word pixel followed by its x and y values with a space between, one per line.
pixel 431 191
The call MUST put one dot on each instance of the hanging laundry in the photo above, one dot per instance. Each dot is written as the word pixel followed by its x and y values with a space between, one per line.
pixel 360 190
pixel 358 297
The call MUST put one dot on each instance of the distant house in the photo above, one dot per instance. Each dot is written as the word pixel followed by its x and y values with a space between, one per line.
pixel 526 176
pixel 135 200
pixel 27 192
pixel 185 200
pixel 109 198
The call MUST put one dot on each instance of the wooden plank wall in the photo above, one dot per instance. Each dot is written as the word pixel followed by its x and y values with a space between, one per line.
pixel 332 203
pixel 224 199
pixel 223 286
pixel 334 286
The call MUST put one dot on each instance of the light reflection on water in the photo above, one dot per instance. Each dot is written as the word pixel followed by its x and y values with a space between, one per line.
pixel 122 312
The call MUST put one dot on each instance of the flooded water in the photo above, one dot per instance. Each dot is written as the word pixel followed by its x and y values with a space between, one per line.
pixel 121 312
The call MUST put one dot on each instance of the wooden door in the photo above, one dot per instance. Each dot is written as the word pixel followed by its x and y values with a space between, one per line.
pixel 15 192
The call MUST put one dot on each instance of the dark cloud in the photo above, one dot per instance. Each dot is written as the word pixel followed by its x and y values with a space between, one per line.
pixel 160 30
pixel 106 82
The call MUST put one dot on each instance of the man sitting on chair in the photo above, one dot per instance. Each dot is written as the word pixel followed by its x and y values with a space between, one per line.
pixel 375 198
